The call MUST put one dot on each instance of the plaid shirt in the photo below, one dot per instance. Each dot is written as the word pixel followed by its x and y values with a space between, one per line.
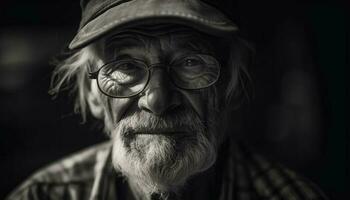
pixel 90 175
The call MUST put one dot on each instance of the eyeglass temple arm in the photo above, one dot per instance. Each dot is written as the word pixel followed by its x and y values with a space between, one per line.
pixel 93 75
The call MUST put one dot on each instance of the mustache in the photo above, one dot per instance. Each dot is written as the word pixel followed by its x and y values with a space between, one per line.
pixel 179 120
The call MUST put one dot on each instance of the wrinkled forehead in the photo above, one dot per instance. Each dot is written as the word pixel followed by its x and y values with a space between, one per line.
pixel 167 37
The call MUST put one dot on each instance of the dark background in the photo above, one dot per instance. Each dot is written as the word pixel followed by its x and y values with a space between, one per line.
pixel 297 115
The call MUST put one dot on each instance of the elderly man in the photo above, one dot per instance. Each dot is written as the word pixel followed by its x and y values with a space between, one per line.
pixel 163 76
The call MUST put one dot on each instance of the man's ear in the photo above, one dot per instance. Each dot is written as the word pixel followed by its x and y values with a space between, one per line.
pixel 94 101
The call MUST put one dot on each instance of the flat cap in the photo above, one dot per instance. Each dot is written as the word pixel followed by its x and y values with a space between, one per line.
pixel 101 16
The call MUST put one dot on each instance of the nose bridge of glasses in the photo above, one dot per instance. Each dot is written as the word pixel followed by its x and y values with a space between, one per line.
pixel 159 65
pixel 158 76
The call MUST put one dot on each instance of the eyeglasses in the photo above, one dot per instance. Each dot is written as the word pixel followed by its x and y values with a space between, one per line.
pixel 129 77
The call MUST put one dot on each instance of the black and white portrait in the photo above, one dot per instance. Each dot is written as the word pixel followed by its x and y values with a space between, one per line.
pixel 173 100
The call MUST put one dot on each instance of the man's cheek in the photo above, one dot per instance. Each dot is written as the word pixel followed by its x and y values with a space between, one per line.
pixel 117 109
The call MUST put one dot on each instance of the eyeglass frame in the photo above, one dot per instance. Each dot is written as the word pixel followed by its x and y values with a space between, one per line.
pixel 94 76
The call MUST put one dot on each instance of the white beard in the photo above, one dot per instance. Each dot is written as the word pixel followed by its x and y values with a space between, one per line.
pixel 161 163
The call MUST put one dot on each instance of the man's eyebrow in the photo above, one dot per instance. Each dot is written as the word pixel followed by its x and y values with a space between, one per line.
pixel 193 41
pixel 119 42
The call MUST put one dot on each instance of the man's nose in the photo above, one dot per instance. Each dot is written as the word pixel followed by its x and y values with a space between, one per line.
pixel 159 95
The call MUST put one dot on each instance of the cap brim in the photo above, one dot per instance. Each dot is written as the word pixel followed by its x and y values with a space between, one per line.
pixel 195 14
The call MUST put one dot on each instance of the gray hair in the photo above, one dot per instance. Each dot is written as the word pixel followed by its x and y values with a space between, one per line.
pixel 71 73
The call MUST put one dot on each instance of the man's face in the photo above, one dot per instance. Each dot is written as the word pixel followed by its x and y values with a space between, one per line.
pixel 164 134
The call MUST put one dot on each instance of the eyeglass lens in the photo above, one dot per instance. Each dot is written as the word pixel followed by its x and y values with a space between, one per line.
pixel 125 78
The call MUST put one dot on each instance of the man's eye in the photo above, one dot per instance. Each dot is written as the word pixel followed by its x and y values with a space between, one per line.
pixel 123 72
pixel 126 67
pixel 190 62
